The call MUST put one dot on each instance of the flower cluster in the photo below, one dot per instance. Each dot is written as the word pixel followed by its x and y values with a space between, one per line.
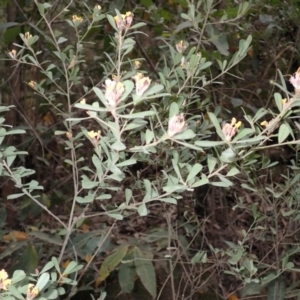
pixel 27 38
pixel 32 291
pixel 230 129
pixel 4 280
pixel 32 84
pixel 94 136
pixel 137 64
pixel 125 21
pixel 76 20
pixel 114 90
pixel 176 125
pixel 141 83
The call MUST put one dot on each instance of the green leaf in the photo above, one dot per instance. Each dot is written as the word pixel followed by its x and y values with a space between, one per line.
pixel 141 114
pixel 128 85
pixel 145 271
pixel 142 210
pixel 8 25
pixel 127 162
pixel 111 21
pixel 218 38
pixel 14 196
pixel 201 182
pixel 51 294
pixel 174 188
pixel 118 146
pixel 42 7
pixel 136 124
pixel 228 156
pixel 111 262
pixel 284 132
pixel 127 273
pixel 72 267
pixel 18 276
pixel 276 289
pixel 116 5
pixel 174 109
pixel 168 200
pixel 100 95
pixel 13 290
pixel 128 195
pixel 149 135
pixel 208 144
pixel 28 261
pixel 200 256
pixel 244 132
pixel 42 281
pixel 233 171
pixel 278 101
pixel 49 238
pixel 115 216
pixel 215 122
pixel 86 199
pixel 88 184
pixel 211 163
pixel 61 40
pixel 185 135
pixel 154 89
pixel 103 197
pixel 194 171
pixel 47 267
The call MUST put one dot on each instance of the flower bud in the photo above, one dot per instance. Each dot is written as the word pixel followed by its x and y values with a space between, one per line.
pixel 176 125
pixel 114 91
pixel 141 83
pixel 229 130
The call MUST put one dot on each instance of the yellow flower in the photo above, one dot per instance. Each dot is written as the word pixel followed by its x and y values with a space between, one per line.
pixel 32 291
pixel 98 7
pixel 76 19
pixel 69 135
pixel 27 35
pixel 83 101
pixel 13 54
pixel 137 64
pixel 32 84
pixel 125 20
pixel 94 136
pixel 4 281
pixel 264 123
pixel 176 125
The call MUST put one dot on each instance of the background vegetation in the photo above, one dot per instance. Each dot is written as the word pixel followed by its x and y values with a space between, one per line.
pixel 149 155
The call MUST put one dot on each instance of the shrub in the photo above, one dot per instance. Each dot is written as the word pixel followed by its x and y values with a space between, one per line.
pixel 136 144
